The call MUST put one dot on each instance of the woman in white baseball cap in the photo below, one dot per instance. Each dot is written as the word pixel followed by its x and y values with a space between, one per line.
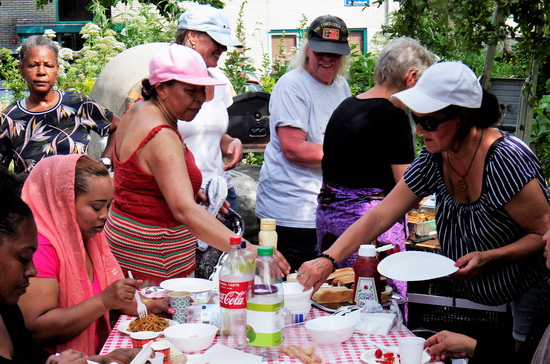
pixel 206 30
pixel 491 199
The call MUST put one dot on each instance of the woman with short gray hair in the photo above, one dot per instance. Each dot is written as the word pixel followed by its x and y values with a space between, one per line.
pixel 368 145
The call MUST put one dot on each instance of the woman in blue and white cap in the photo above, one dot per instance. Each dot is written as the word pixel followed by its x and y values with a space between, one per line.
pixel 491 202
pixel 207 31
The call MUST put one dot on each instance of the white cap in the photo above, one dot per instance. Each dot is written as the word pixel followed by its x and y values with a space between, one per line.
pixel 367 250
pixel 441 85
pixel 206 18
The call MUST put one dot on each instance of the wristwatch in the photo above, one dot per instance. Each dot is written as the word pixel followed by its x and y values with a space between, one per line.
pixel 106 161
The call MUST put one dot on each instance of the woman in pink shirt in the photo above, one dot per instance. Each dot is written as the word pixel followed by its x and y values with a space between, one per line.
pixel 78 280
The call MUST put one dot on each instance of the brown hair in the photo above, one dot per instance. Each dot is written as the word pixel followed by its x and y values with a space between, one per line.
pixel 487 115
pixel 87 167
pixel 149 91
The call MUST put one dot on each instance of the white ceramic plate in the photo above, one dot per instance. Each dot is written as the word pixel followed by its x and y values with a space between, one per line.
pixel 192 285
pixel 416 266
pixel 123 327
pixel 369 358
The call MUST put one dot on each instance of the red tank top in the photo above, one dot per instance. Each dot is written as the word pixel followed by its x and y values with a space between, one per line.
pixel 137 194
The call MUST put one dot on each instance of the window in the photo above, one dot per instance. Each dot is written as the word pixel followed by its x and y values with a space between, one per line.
pixel 73 11
pixel 292 39
pixel 358 37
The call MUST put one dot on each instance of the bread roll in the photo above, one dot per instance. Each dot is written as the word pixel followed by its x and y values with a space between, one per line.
pixel 333 295
pixel 340 272
pixel 344 280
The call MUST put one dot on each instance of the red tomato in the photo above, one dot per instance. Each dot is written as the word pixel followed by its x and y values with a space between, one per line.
pixel 378 354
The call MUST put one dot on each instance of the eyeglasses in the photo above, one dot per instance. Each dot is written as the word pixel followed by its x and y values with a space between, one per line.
pixel 328 55
pixel 430 123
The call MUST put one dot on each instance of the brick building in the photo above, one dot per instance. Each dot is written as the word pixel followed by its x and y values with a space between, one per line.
pixel 20 19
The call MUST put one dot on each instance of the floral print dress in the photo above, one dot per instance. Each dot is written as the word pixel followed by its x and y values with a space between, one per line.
pixel 27 137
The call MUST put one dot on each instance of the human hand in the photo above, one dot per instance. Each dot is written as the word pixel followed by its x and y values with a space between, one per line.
pixel 314 273
pixel 160 307
pixel 470 265
pixel 121 356
pixel 201 197
pixel 68 356
pixel 284 267
pixel 120 293
pixel 235 152
pixel 447 344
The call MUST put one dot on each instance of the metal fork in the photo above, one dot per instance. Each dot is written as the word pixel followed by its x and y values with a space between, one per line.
pixel 141 308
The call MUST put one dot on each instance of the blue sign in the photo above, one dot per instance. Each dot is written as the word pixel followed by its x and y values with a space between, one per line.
pixel 356 2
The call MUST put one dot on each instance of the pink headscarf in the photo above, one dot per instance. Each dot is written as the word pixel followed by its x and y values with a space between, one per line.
pixel 49 191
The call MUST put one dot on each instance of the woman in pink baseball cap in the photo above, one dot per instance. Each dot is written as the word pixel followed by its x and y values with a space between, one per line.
pixel 154 221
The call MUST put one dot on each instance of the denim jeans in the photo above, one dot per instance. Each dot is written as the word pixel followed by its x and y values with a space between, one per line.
pixel 232 199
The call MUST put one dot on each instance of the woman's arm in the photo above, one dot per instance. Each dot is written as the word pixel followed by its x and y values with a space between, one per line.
pixel 50 324
pixel 231 148
pixel 398 170
pixel 364 231
pixel 530 210
pixel 164 157
pixel 297 150
pixel 109 148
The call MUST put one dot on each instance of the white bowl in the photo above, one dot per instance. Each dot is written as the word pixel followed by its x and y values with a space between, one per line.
pixel 331 329
pixel 294 294
pixel 299 309
pixel 191 338
pixel 193 285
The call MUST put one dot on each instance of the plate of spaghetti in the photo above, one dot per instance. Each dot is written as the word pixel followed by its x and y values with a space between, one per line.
pixel 150 322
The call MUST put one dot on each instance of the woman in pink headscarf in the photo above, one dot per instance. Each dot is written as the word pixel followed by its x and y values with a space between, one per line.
pixel 78 281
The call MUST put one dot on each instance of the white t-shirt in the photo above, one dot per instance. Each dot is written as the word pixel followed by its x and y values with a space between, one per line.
pixel 288 192
pixel 203 134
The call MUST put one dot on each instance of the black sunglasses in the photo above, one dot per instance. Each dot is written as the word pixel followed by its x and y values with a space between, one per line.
pixel 328 55
pixel 430 123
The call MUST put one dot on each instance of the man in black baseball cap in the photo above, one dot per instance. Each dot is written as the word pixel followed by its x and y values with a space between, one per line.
pixel 328 34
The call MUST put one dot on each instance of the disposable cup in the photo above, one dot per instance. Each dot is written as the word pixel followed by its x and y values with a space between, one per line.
pixel 158 358
pixel 294 294
pixel 179 301
pixel 162 348
pixel 411 349
pixel 139 339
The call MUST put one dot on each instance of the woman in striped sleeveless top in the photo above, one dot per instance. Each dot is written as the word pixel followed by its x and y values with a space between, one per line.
pixel 154 221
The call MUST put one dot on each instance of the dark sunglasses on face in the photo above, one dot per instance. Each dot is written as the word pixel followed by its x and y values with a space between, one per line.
pixel 328 55
pixel 430 123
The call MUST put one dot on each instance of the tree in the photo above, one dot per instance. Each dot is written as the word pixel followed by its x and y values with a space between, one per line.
pixel 460 30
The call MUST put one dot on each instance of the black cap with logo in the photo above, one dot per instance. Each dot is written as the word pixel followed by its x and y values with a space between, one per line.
pixel 328 34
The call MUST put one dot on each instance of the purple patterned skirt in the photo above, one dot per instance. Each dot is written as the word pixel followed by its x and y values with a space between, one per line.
pixel 341 206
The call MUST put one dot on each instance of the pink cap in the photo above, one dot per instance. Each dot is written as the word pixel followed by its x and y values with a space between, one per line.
pixel 180 63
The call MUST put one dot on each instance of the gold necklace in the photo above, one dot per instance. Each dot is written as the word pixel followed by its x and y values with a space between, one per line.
pixel 462 183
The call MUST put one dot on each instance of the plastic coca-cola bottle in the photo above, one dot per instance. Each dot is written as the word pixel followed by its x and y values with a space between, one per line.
pixel 236 279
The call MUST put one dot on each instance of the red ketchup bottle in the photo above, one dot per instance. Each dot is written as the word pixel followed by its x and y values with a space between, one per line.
pixel 367 278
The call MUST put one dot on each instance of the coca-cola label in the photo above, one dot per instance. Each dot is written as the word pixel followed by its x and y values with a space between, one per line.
pixel 233 294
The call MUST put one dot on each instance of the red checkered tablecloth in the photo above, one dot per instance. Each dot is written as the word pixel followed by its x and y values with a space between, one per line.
pixel 348 352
